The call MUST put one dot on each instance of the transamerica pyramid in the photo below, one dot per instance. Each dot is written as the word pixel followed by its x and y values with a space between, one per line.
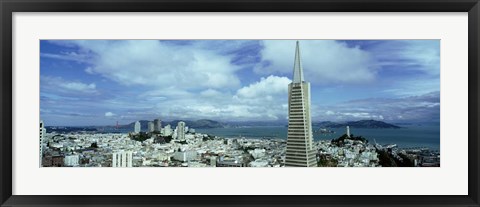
pixel 300 152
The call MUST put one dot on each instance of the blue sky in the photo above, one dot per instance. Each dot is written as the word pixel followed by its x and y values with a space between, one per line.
pixel 99 82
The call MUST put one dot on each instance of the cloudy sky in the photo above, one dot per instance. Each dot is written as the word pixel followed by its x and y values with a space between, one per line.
pixel 99 82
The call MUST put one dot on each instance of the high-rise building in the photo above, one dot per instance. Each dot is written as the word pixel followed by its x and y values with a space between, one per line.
pixel 150 126
pixel 138 127
pixel 42 134
pixel 167 131
pixel 157 125
pixel 181 130
pixel 300 151
pixel 122 159
pixel 175 134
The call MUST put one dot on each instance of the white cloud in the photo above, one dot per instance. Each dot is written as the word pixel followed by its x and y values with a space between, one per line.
pixel 77 86
pixel 89 70
pixel 72 56
pixel 65 86
pixel 419 55
pixel 412 87
pixel 155 63
pixel 159 79
pixel 362 115
pixel 210 93
pixel 324 61
pixel 266 87
pixel 329 113
pixel 424 107
pixel 262 100
pixel 109 114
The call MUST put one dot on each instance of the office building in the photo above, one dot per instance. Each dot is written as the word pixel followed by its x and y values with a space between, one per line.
pixel 167 130
pixel 150 126
pixel 122 159
pixel 300 151
pixel 43 131
pixel 138 127
pixel 181 130
pixel 157 125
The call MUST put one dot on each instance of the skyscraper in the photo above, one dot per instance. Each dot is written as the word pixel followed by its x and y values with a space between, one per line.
pixel 157 125
pixel 42 134
pixel 150 126
pixel 300 152
pixel 167 130
pixel 138 127
pixel 181 130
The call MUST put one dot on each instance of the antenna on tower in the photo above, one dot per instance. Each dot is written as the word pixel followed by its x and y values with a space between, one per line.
pixel 297 66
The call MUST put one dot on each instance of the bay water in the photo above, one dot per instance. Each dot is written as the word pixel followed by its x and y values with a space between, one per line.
pixel 405 137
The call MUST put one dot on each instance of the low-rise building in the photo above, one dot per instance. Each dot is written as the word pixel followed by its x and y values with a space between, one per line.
pixel 57 161
pixel 185 156
pixel 122 159
pixel 71 160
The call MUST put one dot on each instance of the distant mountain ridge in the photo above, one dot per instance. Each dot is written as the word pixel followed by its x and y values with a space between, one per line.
pixel 199 124
pixel 371 124
pixel 207 123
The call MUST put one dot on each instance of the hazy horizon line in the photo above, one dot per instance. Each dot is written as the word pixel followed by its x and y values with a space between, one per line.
pixel 240 122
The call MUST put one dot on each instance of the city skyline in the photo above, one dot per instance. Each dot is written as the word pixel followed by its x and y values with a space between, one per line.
pixel 183 146
pixel 95 82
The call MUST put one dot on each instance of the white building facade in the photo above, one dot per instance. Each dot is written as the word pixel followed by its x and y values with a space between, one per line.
pixel 185 156
pixel 181 130
pixel 151 127
pixel 137 127
pixel 300 151
pixel 167 130
pixel 43 131
pixel 71 160
pixel 122 159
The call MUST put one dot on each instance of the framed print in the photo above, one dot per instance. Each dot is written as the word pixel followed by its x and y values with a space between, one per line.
pixel 197 103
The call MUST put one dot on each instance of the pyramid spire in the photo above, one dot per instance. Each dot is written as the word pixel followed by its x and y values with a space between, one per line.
pixel 297 67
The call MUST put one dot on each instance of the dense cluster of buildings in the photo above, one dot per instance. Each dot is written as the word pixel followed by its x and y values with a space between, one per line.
pixel 411 157
pixel 87 149
pixel 186 148
pixel 189 149
pixel 353 153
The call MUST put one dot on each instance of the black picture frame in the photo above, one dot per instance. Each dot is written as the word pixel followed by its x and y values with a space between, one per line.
pixel 7 7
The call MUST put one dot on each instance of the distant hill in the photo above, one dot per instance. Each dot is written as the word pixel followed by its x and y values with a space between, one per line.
pixel 67 129
pixel 372 124
pixel 235 124
pixel 198 124
pixel 143 124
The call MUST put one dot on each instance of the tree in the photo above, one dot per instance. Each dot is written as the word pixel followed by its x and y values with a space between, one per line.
pixel 385 160
pixel 183 142
pixel 142 136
